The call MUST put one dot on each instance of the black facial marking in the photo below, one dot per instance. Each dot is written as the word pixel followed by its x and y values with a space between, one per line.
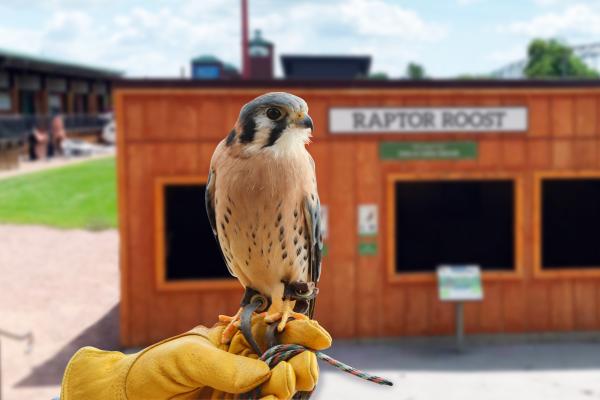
pixel 284 255
pixel 230 138
pixel 248 131
pixel 276 132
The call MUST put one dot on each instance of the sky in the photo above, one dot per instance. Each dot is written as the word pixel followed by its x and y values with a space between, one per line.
pixel 158 38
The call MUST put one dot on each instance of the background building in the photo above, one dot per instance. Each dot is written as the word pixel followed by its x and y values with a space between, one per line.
pixel 35 85
pixel 210 67
pixel 413 174
pixel 325 67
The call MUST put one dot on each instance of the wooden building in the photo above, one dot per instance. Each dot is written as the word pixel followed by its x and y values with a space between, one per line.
pixel 504 174
pixel 38 85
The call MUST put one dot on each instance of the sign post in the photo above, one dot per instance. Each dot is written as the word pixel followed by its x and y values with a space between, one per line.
pixel 457 284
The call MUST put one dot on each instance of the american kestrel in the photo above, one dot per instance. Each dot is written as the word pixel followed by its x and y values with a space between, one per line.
pixel 263 206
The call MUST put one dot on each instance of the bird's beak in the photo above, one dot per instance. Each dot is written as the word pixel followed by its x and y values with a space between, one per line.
pixel 305 121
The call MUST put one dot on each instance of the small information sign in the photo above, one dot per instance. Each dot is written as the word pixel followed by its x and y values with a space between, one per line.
pixel 367 220
pixel 459 283
pixel 462 150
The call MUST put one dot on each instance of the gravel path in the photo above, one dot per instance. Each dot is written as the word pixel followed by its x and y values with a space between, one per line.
pixel 63 285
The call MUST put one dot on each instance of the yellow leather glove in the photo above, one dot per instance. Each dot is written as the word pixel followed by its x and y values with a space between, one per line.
pixel 195 365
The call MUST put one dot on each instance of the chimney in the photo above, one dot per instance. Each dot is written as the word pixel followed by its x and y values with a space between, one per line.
pixel 246 69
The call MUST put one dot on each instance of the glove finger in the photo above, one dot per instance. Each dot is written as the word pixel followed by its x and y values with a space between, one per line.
pixel 196 362
pixel 282 383
pixel 307 333
pixel 306 370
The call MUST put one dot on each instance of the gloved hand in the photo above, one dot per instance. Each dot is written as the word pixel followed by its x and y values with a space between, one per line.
pixel 195 365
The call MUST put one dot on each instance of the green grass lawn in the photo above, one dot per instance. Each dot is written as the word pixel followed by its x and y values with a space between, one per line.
pixel 76 196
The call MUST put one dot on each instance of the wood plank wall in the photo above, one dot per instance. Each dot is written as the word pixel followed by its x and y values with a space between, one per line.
pixel 166 133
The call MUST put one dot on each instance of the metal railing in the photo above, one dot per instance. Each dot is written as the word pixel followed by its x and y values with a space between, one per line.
pixel 16 127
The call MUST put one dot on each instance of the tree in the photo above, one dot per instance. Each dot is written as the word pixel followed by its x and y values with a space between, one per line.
pixel 415 71
pixel 380 76
pixel 553 59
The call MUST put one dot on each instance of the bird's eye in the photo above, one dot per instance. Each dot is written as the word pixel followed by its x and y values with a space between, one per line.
pixel 273 113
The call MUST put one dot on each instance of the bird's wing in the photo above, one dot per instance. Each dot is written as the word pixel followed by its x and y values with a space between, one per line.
pixel 312 216
pixel 209 201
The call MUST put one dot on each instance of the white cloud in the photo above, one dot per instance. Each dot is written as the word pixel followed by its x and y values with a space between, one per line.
pixel 575 19
pixel 378 18
pixel 155 40
pixel 392 34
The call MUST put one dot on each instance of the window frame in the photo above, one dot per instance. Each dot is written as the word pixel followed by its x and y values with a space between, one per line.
pixel 430 277
pixel 162 284
pixel 538 268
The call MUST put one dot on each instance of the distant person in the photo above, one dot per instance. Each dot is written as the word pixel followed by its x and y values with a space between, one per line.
pixel 57 137
pixel 38 140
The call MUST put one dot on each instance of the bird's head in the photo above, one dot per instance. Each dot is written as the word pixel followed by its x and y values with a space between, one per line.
pixel 275 122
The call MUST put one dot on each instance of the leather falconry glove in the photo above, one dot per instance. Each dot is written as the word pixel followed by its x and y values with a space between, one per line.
pixel 195 365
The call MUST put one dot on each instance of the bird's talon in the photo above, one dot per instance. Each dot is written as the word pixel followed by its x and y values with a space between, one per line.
pixel 281 325
pixel 232 326
pixel 273 317
pixel 226 318
pixel 228 333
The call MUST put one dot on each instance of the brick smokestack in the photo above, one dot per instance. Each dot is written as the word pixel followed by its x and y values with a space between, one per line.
pixel 245 53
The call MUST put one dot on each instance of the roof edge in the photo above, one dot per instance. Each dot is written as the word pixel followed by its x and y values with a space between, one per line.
pixel 149 83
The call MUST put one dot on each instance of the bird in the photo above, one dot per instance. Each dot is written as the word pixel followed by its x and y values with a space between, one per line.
pixel 263 206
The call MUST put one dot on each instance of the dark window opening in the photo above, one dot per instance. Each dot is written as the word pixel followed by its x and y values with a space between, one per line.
pixel 454 222
pixel 101 103
pixel 571 223
pixel 80 104
pixel 27 103
pixel 191 251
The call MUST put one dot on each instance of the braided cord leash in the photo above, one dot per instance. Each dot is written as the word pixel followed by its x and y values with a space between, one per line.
pixel 284 352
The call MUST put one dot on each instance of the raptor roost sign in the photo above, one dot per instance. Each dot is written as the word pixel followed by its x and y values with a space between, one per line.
pixel 427 119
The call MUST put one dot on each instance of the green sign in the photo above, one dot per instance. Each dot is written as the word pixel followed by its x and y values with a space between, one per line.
pixel 462 150
pixel 367 248
pixel 459 282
